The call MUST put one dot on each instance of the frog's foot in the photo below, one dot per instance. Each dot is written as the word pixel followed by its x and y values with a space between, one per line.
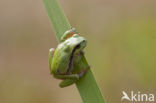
pixel 83 72
pixel 51 53
pixel 68 34
pixel 67 82
pixel 71 79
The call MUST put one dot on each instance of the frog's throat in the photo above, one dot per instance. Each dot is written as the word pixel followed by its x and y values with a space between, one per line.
pixel 71 59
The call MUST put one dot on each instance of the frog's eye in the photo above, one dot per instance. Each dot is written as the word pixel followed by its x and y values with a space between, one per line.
pixel 78 46
pixel 84 41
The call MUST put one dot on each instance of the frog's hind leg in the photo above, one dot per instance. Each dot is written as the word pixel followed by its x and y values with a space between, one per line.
pixel 67 82
pixel 71 81
pixel 68 34
pixel 51 53
pixel 66 76
pixel 83 72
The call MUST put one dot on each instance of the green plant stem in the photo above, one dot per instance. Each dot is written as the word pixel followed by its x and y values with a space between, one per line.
pixel 87 85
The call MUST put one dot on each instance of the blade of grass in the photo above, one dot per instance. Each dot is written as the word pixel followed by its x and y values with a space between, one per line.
pixel 87 85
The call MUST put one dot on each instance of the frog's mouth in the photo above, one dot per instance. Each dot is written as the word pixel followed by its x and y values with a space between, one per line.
pixel 71 63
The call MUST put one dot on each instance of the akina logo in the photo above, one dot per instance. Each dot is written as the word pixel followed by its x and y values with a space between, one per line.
pixel 137 97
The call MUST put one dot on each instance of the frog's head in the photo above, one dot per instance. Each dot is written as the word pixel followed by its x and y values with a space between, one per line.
pixel 80 43
pixel 74 44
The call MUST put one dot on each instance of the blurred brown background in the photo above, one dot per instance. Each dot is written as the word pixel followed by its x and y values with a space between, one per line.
pixel 121 48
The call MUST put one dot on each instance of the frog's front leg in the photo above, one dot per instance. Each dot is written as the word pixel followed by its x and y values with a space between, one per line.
pixel 68 34
pixel 83 72
pixel 80 64
pixel 51 53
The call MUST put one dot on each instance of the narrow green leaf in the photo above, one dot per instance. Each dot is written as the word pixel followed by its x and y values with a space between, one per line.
pixel 87 85
pixel 57 17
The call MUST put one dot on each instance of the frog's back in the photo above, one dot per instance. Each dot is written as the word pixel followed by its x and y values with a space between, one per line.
pixel 61 60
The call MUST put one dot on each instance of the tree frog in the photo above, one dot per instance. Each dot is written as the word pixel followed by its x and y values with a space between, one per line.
pixel 67 62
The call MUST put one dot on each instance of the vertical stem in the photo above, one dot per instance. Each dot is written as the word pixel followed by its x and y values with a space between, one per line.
pixel 87 85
